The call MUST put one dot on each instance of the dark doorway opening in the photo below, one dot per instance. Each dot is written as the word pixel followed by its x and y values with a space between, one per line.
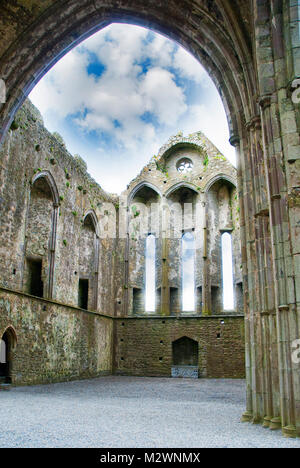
pixel 6 346
pixel 83 293
pixel 185 358
pixel 185 352
pixel 36 287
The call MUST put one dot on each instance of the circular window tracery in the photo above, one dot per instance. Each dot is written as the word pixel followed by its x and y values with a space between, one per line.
pixel 184 165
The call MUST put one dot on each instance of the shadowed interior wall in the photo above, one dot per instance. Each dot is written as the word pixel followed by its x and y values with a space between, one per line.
pixel 55 343
pixel 143 346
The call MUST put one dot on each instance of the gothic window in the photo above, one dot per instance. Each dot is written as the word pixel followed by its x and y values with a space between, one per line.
pixel 41 237
pixel 88 263
pixel 184 165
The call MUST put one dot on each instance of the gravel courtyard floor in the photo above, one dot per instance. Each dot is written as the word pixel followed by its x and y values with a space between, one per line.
pixel 132 412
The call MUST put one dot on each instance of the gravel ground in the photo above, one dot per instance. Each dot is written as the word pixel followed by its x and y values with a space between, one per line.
pixel 132 412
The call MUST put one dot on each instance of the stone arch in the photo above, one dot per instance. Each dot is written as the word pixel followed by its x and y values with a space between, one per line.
pixel 143 219
pixel 12 332
pixel 180 185
pixel 50 181
pixel 139 186
pixel 8 343
pixel 169 148
pixel 42 182
pixel 213 46
pixel 218 177
pixel 221 198
pixel 91 215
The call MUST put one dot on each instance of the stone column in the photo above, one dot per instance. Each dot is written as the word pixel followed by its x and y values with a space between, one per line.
pixel 126 267
pixel 248 414
pixel 280 238
pixel 52 245
pixel 96 273
pixel 206 290
pixel 165 288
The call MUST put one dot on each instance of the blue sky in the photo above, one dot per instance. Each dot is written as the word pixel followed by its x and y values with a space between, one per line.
pixel 118 97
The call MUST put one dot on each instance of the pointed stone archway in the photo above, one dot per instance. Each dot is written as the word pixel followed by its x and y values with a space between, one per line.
pixel 7 345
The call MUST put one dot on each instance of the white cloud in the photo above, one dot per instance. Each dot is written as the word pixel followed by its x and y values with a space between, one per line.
pixel 115 104
pixel 162 96
pixel 188 67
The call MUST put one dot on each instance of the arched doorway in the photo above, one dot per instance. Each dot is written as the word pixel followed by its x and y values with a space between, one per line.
pixel 185 358
pixel 7 344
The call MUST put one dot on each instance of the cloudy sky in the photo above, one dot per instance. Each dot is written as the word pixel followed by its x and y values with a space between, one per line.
pixel 119 96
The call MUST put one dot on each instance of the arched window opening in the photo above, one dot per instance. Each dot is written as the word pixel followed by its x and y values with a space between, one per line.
pixel 140 270
pixel 41 237
pixel 188 272
pixel 150 273
pixel 227 272
pixel 88 264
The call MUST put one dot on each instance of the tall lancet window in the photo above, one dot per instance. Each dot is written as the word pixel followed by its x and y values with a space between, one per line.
pixel 150 274
pixel 188 272
pixel 227 272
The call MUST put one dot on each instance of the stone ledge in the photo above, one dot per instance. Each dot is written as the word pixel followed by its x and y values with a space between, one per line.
pixel 51 301
pixel 182 317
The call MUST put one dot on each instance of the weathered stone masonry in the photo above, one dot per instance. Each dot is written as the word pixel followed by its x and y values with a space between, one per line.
pixel 202 201
pixel 251 51
pixel 144 345
pixel 54 342
pixel 51 220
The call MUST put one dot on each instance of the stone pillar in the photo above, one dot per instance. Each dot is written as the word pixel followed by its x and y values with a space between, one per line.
pixel 52 245
pixel 248 414
pixel 206 291
pixel 96 273
pixel 126 267
pixel 165 288
pixel 275 65
pixel 285 315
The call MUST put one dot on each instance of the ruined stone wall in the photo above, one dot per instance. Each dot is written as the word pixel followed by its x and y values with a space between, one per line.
pixel 209 191
pixel 251 50
pixel 54 212
pixel 29 151
pixel 143 346
pixel 54 342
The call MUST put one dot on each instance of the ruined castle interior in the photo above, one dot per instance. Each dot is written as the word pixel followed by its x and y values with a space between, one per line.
pixel 92 284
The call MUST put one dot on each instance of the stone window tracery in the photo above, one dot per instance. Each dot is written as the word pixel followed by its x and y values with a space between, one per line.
pixel 184 165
